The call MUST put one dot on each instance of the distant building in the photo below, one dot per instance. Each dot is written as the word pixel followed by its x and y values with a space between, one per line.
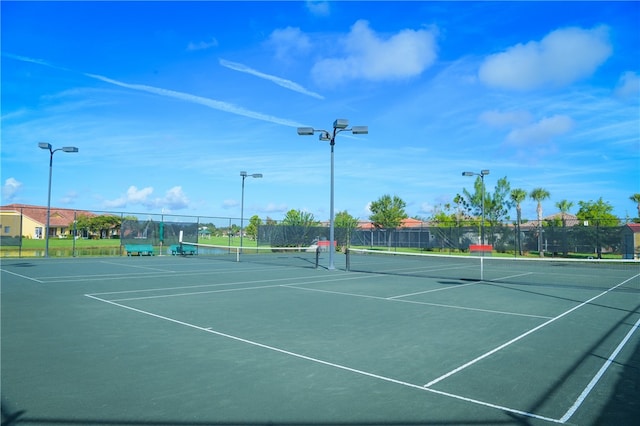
pixel 31 221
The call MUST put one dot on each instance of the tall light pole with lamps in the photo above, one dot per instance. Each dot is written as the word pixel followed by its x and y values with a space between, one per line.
pixel 340 125
pixel 244 176
pixel 482 174
pixel 47 146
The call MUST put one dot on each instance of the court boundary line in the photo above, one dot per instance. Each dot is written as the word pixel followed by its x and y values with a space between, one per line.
pixel 22 276
pixel 327 363
pixel 594 381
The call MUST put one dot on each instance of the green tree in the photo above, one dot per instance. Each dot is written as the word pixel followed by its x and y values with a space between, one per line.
pixel 598 211
pixel 344 224
pixel 564 206
pixel 517 196
pixel 252 228
pixel 539 195
pixel 496 204
pixel 636 199
pixel 299 218
pixel 602 226
pixel 388 213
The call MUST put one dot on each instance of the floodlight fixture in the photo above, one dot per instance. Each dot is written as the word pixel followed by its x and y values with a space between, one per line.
pixel 468 173
pixel 341 123
pixel 360 130
pixel 484 172
pixel 305 131
pixel 47 146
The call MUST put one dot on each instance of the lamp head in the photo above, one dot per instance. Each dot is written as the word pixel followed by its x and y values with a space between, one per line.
pixel 324 136
pixel 305 131
pixel 341 123
pixel 243 174
pixel 468 173
pixel 44 145
pixel 257 175
pixel 70 149
pixel 484 172
pixel 360 130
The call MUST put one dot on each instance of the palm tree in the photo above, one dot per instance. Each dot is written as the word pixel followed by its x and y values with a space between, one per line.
pixel 564 206
pixel 636 199
pixel 538 195
pixel 518 196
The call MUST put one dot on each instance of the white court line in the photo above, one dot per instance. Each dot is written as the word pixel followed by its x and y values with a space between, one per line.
pixel 433 290
pixel 121 264
pixel 160 296
pixel 600 373
pixel 22 276
pixel 523 335
pixel 439 305
pixel 327 363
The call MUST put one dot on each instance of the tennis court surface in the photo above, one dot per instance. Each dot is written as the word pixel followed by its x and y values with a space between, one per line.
pixel 196 340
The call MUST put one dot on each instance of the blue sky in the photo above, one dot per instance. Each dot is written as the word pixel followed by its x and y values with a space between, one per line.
pixel 169 101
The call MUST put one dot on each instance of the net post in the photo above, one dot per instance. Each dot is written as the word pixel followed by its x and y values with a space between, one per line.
pixel 237 254
pixel 180 248
pixel 347 259
pixel 317 257
pixel 482 268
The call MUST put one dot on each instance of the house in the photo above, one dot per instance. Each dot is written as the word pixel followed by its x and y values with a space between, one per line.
pixel 30 221
pixel 631 241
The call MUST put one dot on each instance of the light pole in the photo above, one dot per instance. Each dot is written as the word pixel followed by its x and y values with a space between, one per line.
pixel 482 174
pixel 45 145
pixel 244 176
pixel 340 125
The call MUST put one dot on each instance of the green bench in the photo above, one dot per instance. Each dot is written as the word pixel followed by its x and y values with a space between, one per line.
pixel 183 250
pixel 139 249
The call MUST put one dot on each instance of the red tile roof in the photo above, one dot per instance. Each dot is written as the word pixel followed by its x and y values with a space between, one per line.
pixel 58 217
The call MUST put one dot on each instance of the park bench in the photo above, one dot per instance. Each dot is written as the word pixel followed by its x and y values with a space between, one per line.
pixel 183 250
pixel 139 249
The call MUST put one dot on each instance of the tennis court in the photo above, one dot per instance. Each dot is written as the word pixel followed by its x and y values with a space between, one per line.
pixel 196 340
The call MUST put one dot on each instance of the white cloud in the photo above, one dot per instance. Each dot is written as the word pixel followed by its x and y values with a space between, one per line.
pixel 628 86
pixel 371 57
pixel 10 189
pixel 540 132
pixel 287 84
pixel 202 45
pixel 318 8
pixel 174 199
pixel 288 42
pixel 560 58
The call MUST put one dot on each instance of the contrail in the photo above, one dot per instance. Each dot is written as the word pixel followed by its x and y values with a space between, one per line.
pixel 287 84
pixel 211 103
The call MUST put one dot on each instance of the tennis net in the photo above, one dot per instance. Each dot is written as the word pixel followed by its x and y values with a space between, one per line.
pixel 306 257
pixel 590 273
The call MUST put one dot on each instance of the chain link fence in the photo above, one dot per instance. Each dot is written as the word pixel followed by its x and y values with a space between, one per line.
pixel 20 225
